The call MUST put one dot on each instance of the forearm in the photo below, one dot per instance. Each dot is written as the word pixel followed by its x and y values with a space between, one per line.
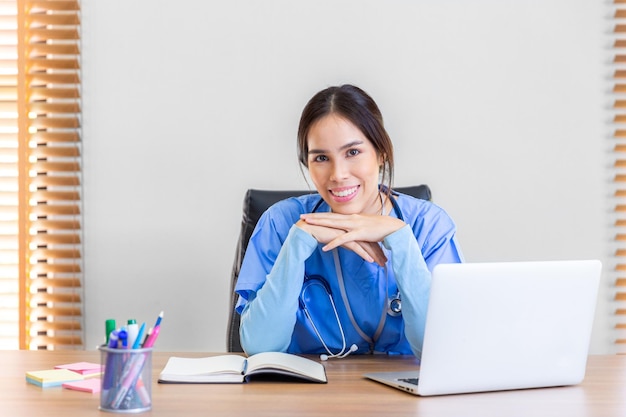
pixel 413 279
pixel 268 319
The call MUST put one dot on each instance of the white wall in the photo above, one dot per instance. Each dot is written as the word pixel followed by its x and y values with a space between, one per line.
pixel 500 106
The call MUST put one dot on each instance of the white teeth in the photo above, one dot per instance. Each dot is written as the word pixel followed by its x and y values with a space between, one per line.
pixel 345 193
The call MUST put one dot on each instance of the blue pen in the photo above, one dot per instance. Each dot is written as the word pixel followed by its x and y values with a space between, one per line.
pixel 138 340
pixel 158 322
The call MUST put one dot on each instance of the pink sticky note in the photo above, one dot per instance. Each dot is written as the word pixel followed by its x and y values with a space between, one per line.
pixel 84 368
pixel 88 385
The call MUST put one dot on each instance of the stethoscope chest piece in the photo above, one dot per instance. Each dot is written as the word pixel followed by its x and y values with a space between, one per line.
pixel 394 305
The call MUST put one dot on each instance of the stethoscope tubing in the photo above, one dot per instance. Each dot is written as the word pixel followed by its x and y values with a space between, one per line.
pixel 393 304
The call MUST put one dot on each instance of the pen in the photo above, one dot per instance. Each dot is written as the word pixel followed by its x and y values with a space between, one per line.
pixel 158 322
pixel 138 340
pixel 133 369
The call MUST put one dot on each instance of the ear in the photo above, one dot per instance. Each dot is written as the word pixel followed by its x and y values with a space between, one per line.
pixel 381 160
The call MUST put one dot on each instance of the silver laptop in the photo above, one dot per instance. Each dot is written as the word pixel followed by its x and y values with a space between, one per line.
pixel 502 326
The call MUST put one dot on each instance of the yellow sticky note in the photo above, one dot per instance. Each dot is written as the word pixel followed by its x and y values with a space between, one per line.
pixel 52 377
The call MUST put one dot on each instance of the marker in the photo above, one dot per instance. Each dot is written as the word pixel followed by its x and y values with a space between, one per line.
pixel 110 369
pixel 109 326
pixel 138 339
pixel 113 338
pixel 144 397
pixel 145 339
pixel 123 336
pixel 154 334
pixel 133 368
pixel 152 338
pixel 132 328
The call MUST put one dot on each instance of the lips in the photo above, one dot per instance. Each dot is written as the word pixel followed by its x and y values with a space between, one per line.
pixel 344 192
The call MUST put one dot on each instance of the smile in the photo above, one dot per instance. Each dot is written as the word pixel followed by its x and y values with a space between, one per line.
pixel 344 193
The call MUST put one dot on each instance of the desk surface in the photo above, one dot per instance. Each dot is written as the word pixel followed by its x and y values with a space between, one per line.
pixel 602 393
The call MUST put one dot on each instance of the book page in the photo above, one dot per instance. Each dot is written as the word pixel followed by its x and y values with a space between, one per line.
pixel 223 368
pixel 287 364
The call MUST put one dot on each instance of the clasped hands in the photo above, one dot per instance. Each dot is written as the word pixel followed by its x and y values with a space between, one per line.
pixel 359 233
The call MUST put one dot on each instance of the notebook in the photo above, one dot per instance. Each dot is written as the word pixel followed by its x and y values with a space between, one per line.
pixel 502 326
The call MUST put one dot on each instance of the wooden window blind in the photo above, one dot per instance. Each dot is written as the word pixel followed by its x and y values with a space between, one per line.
pixel 9 234
pixel 619 108
pixel 40 175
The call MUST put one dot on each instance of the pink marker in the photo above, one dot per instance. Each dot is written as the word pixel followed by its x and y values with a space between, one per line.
pixel 155 333
pixel 152 337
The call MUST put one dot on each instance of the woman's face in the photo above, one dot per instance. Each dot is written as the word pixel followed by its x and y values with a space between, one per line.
pixel 344 166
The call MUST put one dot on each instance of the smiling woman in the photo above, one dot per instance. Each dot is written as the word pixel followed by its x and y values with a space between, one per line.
pixel 344 166
pixel 346 270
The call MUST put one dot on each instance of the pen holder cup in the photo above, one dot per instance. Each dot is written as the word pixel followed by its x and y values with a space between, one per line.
pixel 127 380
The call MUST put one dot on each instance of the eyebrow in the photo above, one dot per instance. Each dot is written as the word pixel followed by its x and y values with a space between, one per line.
pixel 346 146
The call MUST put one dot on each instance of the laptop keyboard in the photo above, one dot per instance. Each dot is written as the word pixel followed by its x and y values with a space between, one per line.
pixel 409 380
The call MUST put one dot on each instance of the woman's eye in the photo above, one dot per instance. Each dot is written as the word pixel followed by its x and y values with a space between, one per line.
pixel 353 152
pixel 320 158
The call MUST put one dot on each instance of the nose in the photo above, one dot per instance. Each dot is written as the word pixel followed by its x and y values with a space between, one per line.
pixel 339 170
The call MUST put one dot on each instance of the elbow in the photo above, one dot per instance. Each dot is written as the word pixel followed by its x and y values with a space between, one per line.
pixel 256 339
pixel 262 342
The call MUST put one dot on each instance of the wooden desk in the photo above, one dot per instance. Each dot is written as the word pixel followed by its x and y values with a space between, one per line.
pixel 347 394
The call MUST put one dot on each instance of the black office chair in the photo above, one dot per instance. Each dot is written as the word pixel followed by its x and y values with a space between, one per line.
pixel 254 205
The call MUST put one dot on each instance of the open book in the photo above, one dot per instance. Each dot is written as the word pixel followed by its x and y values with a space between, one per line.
pixel 237 369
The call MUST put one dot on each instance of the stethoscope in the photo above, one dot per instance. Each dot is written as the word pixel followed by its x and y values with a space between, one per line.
pixel 394 302
pixel 316 280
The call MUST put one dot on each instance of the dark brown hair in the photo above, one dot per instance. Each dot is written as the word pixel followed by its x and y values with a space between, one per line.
pixel 356 106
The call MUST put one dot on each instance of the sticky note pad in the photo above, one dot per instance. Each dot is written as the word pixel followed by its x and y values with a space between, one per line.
pixel 84 368
pixel 88 385
pixel 52 377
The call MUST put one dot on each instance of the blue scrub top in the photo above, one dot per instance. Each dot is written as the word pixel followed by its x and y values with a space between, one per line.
pixel 368 286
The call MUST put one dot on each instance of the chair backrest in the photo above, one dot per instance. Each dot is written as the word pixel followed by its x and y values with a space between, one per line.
pixel 254 205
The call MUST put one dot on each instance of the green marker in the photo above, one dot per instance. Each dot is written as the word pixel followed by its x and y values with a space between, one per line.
pixel 109 326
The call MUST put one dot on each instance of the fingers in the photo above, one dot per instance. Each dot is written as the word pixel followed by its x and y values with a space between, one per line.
pixel 358 227
pixel 334 220
pixel 359 250
pixel 322 234
pixel 322 215
pixel 360 241
pixel 375 252
pixel 380 254
pixel 370 252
